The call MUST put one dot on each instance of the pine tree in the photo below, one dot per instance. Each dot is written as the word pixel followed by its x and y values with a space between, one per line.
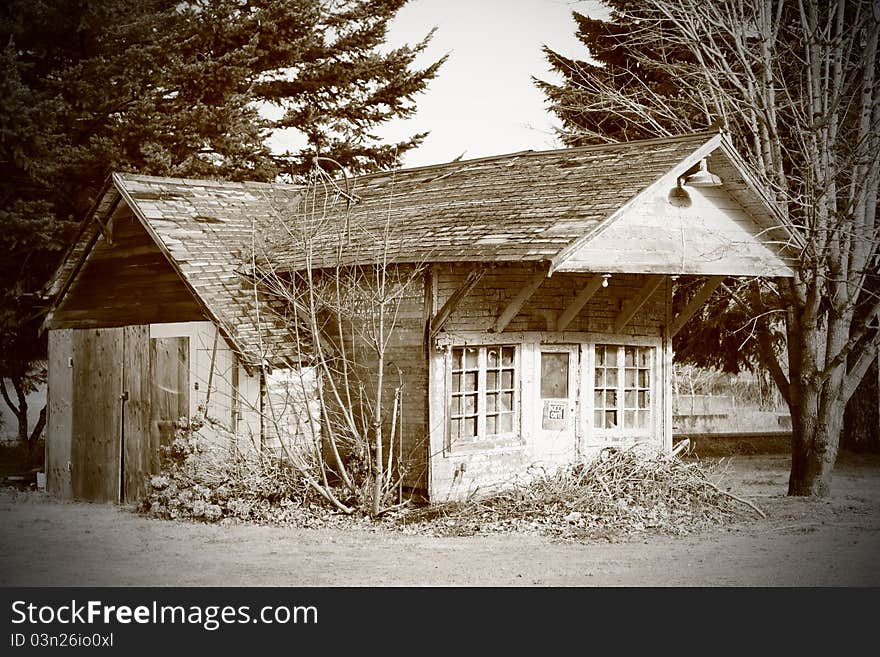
pixel 174 88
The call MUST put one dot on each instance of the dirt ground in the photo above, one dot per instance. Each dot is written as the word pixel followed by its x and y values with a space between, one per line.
pixel 832 542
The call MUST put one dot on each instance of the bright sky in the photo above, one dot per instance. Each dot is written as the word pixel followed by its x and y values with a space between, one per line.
pixel 483 101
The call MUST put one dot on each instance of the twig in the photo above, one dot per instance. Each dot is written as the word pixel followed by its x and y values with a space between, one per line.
pixel 738 499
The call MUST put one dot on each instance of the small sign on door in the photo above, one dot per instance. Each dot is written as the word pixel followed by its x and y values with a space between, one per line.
pixel 553 417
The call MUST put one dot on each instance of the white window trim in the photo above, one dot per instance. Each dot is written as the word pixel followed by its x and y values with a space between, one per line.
pixel 601 434
pixel 482 442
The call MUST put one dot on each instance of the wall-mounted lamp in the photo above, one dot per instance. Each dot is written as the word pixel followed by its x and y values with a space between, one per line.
pixel 605 278
pixel 702 177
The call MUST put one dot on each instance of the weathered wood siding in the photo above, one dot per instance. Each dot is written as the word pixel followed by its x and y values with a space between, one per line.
pixel 457 472
pixel 97 414
pixel 137 390
pixel 480 308
pixel 59 421
pixel 169 358
pixel 406 368
pixel 709 234
pixel 127 283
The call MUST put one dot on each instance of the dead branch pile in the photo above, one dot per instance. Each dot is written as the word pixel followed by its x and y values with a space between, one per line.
pixel 621 492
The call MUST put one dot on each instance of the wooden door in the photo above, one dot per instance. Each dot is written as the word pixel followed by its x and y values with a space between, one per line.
pixel 169 359
pixel 558 394
pixel 136 395
pixel 97 414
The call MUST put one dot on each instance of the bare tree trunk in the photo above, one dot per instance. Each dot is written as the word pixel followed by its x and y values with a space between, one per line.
pixel 861 420
pixel 815 439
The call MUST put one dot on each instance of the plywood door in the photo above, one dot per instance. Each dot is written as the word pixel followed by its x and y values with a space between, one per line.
pixel 169 361
pixel 97 414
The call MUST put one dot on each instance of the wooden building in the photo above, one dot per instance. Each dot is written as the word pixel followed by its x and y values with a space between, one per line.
pixel 537 330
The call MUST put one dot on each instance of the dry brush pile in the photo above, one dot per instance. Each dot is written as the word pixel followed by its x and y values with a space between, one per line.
pixel 622 492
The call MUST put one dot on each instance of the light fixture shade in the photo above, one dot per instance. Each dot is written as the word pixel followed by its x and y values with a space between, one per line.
pixel 703 177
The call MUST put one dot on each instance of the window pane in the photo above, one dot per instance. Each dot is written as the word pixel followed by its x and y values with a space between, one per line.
pixel 470 358
pixel 598 416
pixel 456 358
pixel 491 424
pixel 507 356
pixel 456 382
pixel 610 419
pixel 470 381
pixel 505 423
pixel 630 379
pixel 600 379
pixel 455 429
pixel 506 401
pixel 629 419
pixel 629 356
pixel 629 399
pixel 644 398
pixel 492 358
pixel 599 399
pixel 491 380
pixel 470 404
pixel 644 419
pixel 554 375
pixel 643 357
pixel 507 379
pixel 455 406
pixel 644 381
pixel 469 427
pixel 611 356
pixel 491 403
pixel 611 378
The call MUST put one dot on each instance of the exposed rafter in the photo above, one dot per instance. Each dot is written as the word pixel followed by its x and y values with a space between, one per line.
pixel 455 298
pixel 519 301
pixel 701 297
pixel 587 293
pixel 652 282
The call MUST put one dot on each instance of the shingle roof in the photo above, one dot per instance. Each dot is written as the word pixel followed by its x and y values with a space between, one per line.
pixel 527 206
pixel 523 206
pixel 209 229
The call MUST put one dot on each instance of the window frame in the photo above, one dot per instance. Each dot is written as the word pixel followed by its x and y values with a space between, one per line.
pixel 622 432
pixel 483 441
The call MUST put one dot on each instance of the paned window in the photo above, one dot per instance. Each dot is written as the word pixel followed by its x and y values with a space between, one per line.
pixel 622 394
pixel 482 401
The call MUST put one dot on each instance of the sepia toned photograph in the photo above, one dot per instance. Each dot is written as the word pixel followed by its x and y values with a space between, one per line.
pixel 439 293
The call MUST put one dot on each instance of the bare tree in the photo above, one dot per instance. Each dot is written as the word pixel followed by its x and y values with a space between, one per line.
pixel 343 316
pixel 795 84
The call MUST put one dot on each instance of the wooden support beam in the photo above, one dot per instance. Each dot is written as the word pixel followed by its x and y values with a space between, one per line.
pixel 631 307
pixel 519 301
pixel 105 230
pixel 455 298
pixel 587 293
pixel 701 297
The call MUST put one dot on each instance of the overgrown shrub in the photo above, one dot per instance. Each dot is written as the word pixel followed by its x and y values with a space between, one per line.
pixel 209 480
